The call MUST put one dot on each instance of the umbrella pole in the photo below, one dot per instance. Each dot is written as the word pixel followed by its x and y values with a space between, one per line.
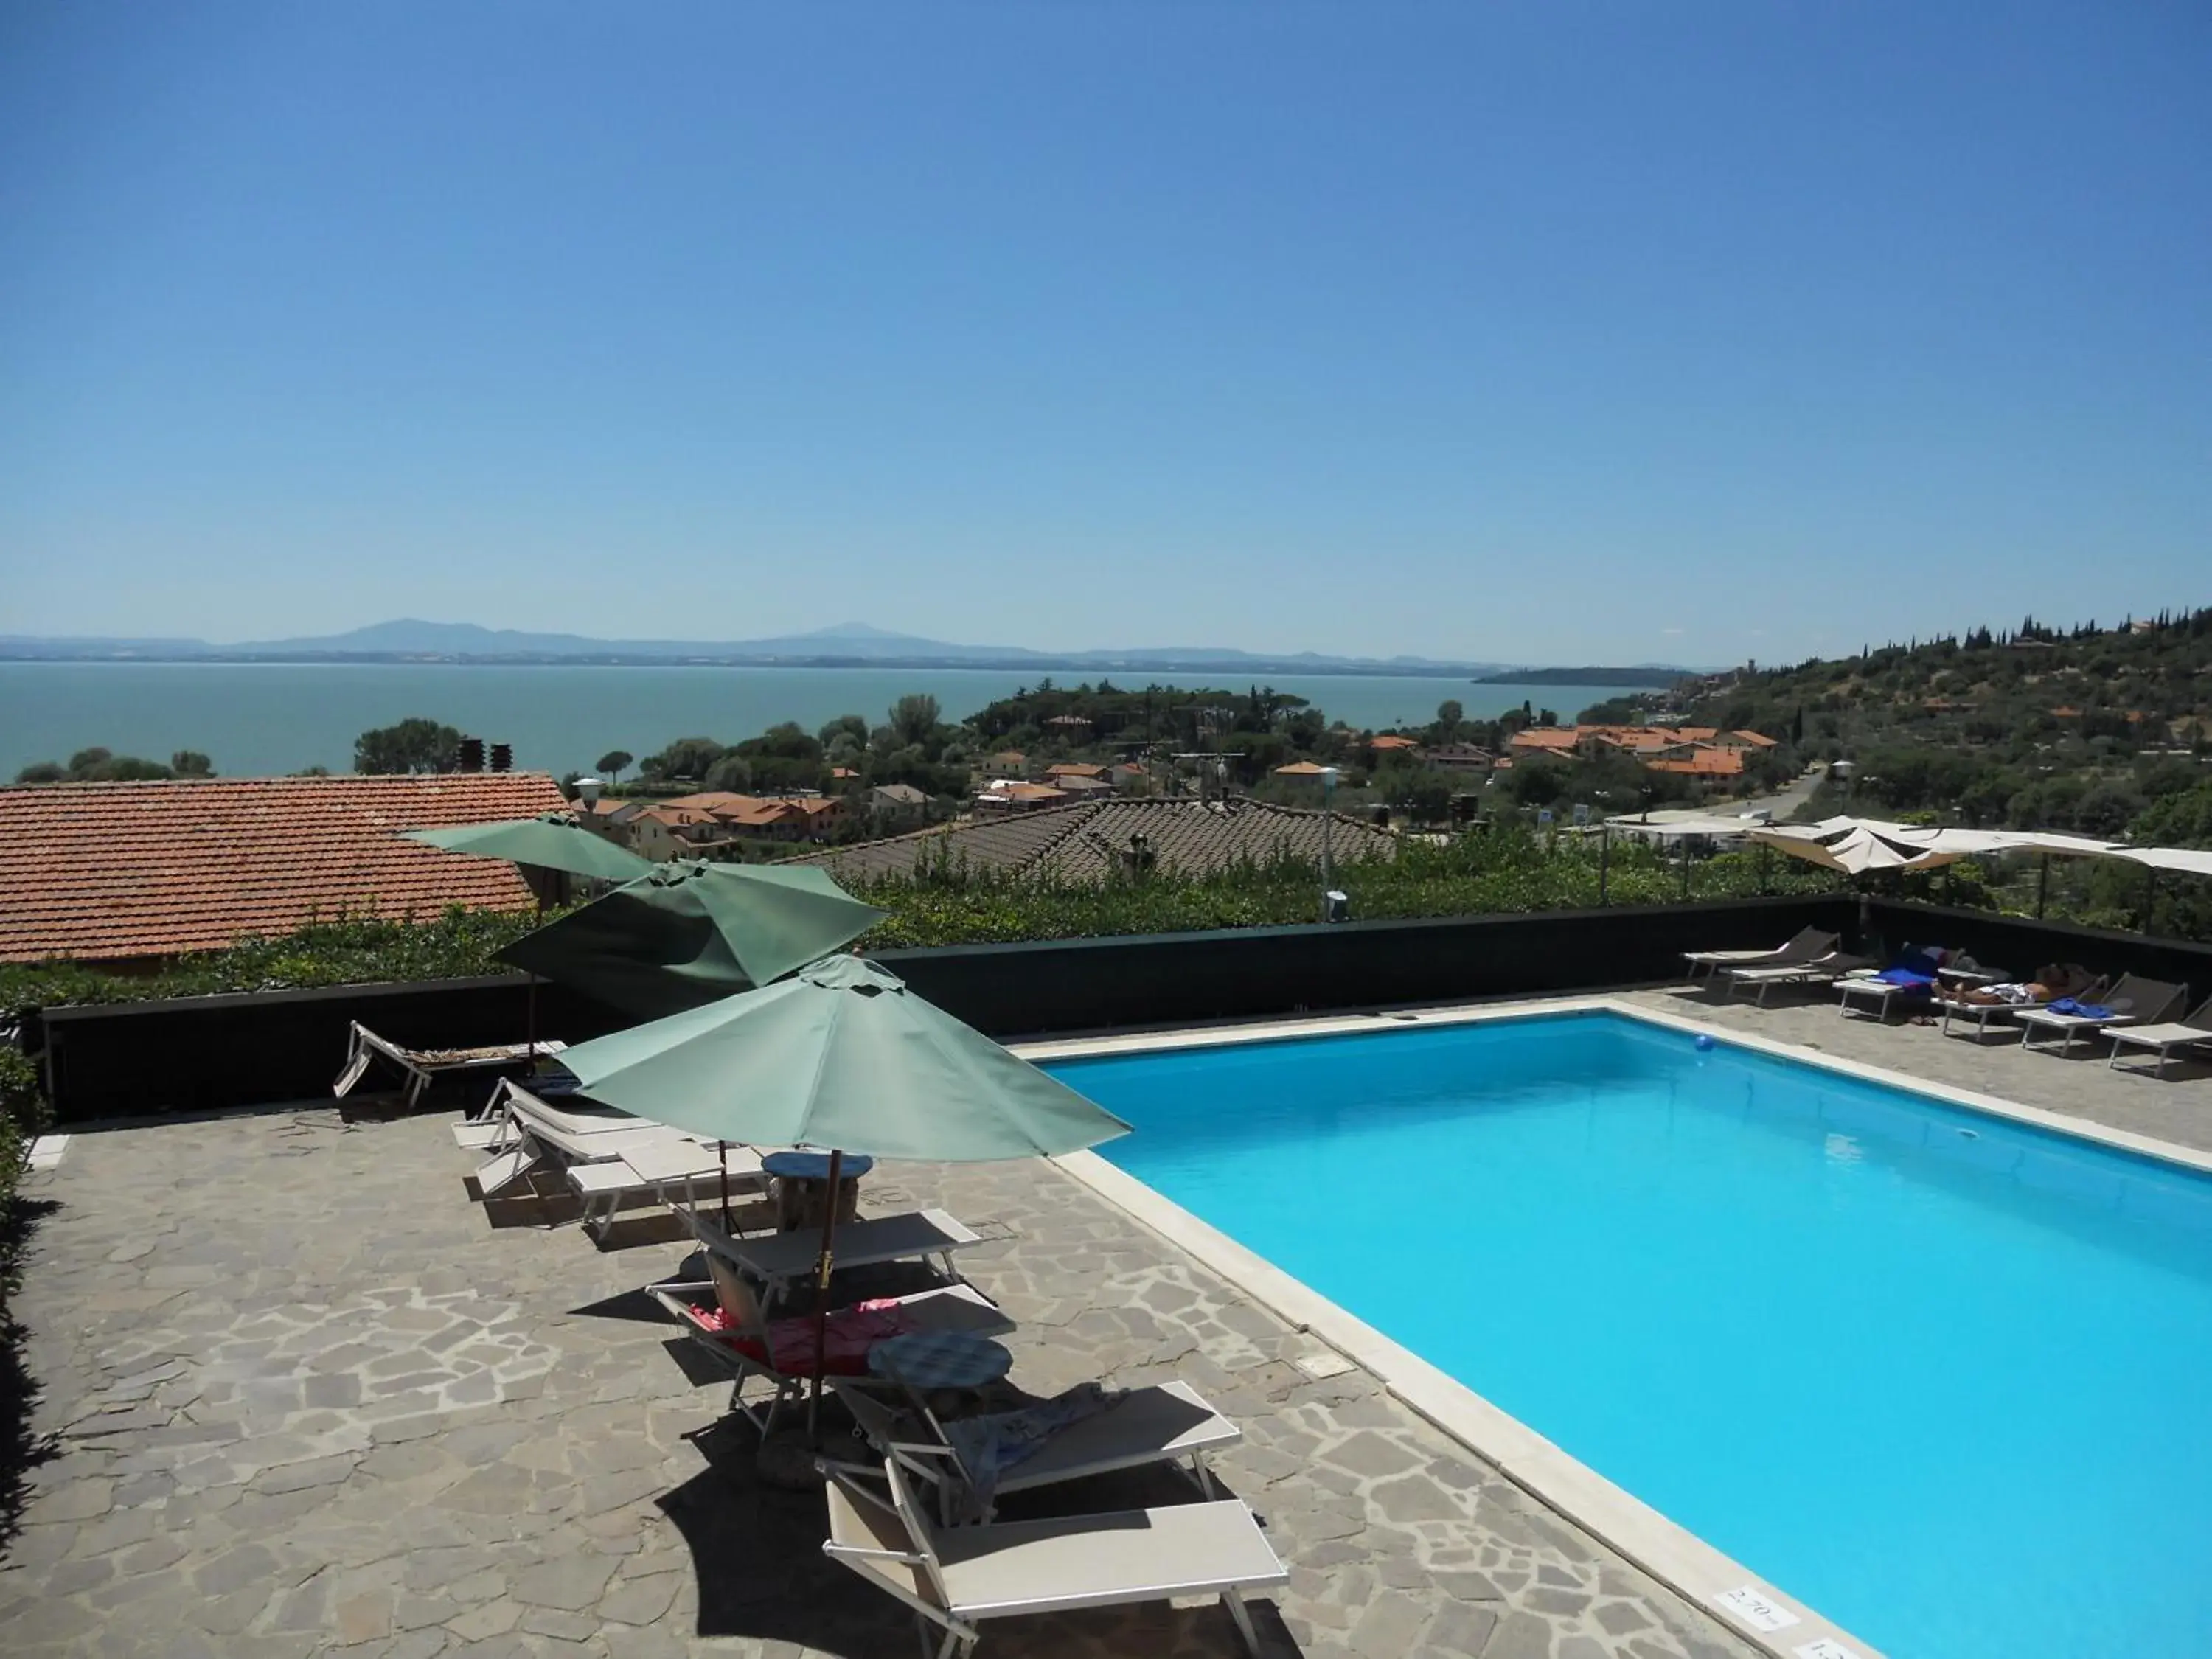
pixel 822 1294
pixel 529 1019
pixel 722 1157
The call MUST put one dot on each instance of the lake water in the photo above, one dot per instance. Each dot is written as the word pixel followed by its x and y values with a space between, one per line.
pixel 272 718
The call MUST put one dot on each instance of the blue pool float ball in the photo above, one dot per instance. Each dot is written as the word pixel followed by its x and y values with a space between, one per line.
pixel 1704 1042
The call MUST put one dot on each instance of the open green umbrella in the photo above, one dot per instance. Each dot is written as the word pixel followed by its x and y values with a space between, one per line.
pixel 552 842
pixel 842 1057
pixel 689 932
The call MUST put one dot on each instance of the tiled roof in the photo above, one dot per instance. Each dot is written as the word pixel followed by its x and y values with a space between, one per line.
pixel 104 872
pixel 1704 762
pixel 1389 741
pixel 1086 842
pixel 1543 737
pixel 1756 739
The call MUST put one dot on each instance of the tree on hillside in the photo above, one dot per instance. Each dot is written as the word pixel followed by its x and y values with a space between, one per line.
pixel 914 717
pixel 730 773
pixel 611 763
pixel 686 758
pixel 415 745
pixel 190 764
pixel 849 730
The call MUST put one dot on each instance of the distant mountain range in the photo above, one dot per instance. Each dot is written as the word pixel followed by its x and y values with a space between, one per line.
pixel 1643 673
pixel 847 645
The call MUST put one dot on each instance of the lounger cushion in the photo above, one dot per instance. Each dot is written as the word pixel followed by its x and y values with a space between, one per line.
pixel 788 1347
pixel 1104 1560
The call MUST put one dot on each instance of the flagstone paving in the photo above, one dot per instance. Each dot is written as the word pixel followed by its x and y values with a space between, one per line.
pixel 302 1397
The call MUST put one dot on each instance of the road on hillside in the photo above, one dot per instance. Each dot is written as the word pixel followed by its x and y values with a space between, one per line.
pixel 1780 806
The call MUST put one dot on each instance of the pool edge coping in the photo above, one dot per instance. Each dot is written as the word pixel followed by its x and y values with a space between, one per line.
pixel 1669 1553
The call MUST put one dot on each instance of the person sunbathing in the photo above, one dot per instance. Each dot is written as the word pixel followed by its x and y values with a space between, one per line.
pixel 2051 981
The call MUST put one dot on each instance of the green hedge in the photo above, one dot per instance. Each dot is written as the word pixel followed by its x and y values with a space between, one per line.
pixel 1500 873
pixel 1503 871
pixel 457 944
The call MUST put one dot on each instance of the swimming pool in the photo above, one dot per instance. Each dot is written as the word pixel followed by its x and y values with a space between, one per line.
pixel 1946 1378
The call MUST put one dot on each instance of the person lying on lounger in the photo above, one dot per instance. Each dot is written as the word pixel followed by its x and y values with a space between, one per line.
pixel 2051 981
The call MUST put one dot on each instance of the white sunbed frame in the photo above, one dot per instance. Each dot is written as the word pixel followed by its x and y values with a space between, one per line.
pixel 1798 948
pixel 422 1066
pixel 2191 1031
pixel 779 1261
pixel 2070 1026
pixel 957 1581
pixel 1166 1423
pixel 661 1174
pixel 1821 970
pixel 513 1108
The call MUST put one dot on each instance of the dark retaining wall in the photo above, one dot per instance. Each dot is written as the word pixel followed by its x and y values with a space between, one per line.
pixel 197 1053
pixel 204 1052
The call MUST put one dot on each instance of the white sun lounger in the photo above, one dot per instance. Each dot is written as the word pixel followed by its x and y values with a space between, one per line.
pixel 540 1140
pixel 946 1308
pixel 780 1260
pixel 422 1066
pixel 1806 944
pixel 2193 1031
pixel 2133 1001
pixel 1821 970
pixel 1167 1423
pixel 955 1580
pixel 513 1106
pixel 661 1171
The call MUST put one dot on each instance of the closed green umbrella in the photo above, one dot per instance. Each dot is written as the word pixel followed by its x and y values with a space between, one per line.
pixel 551 842
pixel 690 933
pixel 843 1057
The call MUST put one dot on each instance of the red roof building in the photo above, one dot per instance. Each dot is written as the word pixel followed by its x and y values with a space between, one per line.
pixel 111 872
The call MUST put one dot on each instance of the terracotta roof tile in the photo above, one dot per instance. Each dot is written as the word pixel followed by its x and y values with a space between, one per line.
pixel 104 872
pixel 1086 842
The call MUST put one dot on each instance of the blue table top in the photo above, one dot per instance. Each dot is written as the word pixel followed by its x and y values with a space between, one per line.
pixel 814 1166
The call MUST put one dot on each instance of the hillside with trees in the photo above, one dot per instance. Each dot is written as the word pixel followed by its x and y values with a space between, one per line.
pixel 2091 730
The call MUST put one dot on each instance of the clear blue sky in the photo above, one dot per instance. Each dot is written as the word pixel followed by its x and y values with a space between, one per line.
pixel 1544 332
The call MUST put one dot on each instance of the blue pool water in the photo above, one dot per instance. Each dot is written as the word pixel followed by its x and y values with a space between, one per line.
pixel 1946 1378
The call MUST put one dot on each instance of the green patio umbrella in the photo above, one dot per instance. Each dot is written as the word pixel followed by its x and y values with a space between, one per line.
pixel 553 842
pixel 690 933
pixel 843 1057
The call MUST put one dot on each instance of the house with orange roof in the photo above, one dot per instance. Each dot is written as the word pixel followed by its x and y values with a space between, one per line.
pixel 1391 744
pixel 1707 763
pixel 1011 797
pixel 1561 740
pixel 128 872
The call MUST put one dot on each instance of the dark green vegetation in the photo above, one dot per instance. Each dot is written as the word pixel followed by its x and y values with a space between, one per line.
pixel 415 745
pixel 102 766
pixel 2083 732
pixel 457 945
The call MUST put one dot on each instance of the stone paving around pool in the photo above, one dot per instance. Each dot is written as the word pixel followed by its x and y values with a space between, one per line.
pixel 303 1397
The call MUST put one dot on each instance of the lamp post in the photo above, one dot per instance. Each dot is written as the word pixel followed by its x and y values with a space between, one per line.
pixel 1327 815
pixel 1604 846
